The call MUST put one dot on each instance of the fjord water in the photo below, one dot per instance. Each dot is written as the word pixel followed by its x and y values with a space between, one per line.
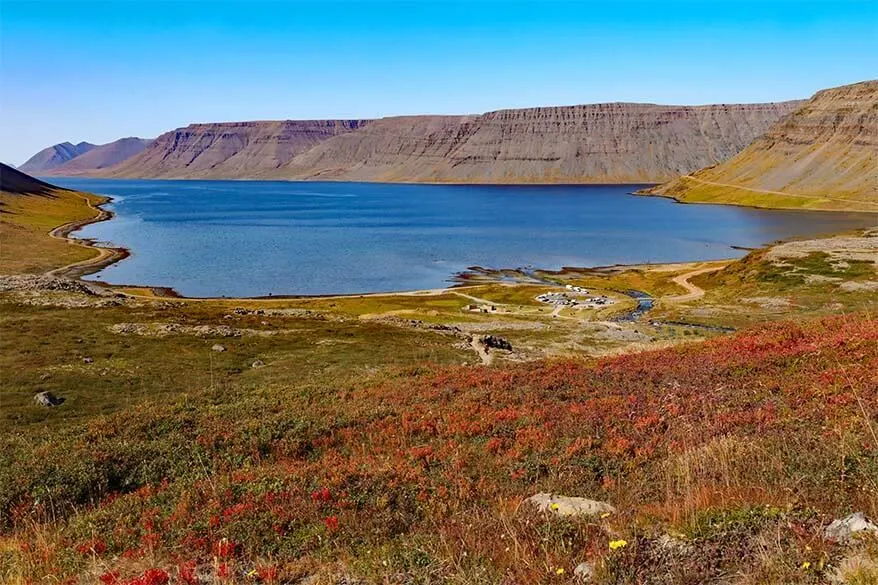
pixel 249 238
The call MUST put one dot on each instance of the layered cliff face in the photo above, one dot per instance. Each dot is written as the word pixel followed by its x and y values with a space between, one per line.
pixel 599 143
pixel 54 156
pixel 229 150
pixel 100 157
pixel 822 156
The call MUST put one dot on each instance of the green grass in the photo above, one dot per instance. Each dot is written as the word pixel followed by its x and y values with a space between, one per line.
pixel 25 246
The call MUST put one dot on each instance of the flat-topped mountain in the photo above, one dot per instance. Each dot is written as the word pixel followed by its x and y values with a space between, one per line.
pixel 229 149
pixel 598 143
pixel 100 157
pixel 824 155
pixel 54 156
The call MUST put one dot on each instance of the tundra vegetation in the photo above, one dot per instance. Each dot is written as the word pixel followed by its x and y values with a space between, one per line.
pixel 359 440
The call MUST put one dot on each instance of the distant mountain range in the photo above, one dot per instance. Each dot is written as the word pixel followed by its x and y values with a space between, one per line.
pixel 54 156
pixel 801 147
pixel 68 160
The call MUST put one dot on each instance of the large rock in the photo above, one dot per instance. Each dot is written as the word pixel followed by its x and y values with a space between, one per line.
pixel 569 506
pixel 218 347
pixel 843 529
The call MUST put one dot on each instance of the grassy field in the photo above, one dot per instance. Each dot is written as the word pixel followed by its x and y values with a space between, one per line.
pixel 355 440
pixel 25 221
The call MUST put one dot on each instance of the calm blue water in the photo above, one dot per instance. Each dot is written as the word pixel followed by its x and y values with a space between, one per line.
pixel 245 238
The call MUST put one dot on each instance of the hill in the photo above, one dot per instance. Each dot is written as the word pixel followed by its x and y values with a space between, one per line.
pixel 100 157
pixel 18 183
pixel 229 149
pixel 34 217
pixel 598 143
pixel 54 156
pixel 824 155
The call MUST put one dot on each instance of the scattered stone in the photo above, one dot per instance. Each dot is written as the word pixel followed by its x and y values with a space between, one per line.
pixel 258 364
pixel 45 376
pixel 584 572
pixel 47 399
pixel 218 347
pixel 34 283
pixel 569 506
pixel 88 360
pixel 843 529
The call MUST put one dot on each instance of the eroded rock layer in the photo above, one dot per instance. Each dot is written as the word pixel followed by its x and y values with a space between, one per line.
pixel 822 156
pixel 599 143
pixel 229 150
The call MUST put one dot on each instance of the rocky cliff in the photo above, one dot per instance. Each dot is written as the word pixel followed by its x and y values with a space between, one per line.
pixel 100 157
pixel 599 143
pixel 824 155
pixel 54 156
pixel 229 150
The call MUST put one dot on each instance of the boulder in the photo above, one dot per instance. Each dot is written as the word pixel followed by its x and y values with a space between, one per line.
pixel 569 506
pixel 843 529
pixel 88 360
pixel 218 347
pixel 258 364
pixel 47 399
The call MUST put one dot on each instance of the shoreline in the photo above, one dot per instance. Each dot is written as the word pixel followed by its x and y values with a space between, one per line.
pixel 648 192
pixel 108 255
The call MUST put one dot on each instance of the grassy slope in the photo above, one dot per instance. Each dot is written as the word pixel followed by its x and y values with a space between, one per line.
pixel 821 156
pixel 418 472
pixel 26 219
pixel 690 190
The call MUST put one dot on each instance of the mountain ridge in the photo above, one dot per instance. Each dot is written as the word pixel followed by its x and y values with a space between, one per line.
pixel 821 156
pixel 54 156
pixel 594 143
pixel 100 157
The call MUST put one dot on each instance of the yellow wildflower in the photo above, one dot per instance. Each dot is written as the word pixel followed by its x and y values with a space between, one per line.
pixel 605 515
pixel 617 544
pixel 559 571
pixel 555 506
pixel 806 565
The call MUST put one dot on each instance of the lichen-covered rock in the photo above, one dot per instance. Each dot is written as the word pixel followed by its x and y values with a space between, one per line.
pixel 843 529
pixel 569 506
pixel 584 572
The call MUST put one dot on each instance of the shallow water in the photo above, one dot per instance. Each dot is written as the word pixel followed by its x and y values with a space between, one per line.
pixel 252 238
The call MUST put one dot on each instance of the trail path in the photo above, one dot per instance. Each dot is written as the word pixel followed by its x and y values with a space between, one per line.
pixel 693 291
pixel 785 194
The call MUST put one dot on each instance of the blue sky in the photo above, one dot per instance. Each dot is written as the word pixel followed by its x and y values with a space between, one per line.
pixel 98 71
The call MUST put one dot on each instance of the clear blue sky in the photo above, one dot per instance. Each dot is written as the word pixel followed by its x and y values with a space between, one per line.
pixel 98 71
